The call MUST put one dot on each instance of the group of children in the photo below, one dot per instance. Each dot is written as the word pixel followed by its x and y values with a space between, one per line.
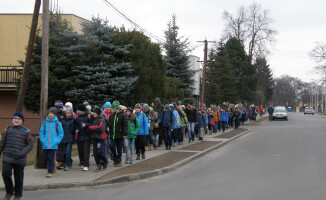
pixel 111 128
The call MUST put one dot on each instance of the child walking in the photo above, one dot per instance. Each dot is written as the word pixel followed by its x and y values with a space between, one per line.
pixel 51 134
pixel 129 142
pixel 84 120
pixel 15 144
pixel 69 128
pixel 201 124
pixel 98 136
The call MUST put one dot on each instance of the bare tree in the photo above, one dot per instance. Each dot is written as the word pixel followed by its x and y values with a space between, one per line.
pixel 252 26
pixel 318 53
pixel 236 26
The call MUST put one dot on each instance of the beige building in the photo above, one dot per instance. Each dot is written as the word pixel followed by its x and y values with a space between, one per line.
pixel 14 34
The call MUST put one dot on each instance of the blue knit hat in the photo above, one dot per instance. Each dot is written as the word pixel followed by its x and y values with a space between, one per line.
pixel 58 104
pixel 18 114
pixel 70 110
pixel 107 104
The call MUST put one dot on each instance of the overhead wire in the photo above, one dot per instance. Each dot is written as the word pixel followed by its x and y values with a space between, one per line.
pixel 132 22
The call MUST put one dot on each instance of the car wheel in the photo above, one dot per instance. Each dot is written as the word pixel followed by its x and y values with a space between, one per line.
pixel 286 119
pixel 313 114
pixel 304 113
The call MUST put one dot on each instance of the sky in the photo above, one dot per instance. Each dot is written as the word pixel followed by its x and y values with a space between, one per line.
pixel 300 24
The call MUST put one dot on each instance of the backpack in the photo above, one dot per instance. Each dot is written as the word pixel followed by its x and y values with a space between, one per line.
pixel 170 115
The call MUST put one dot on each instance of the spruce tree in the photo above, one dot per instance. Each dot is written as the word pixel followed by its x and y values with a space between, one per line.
pixel 177 64
pixel 99 75
pixel 147 62
pixel 265 80
pixel 245 74
pixel 59 64
pixel 226 76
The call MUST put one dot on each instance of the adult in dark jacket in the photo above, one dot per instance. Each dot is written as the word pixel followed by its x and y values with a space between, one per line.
pixel 15 144
pixel 166 121
pixel 118 125
pixel 192 119
pixel 270 111
pixel 235 116
pixel 84 120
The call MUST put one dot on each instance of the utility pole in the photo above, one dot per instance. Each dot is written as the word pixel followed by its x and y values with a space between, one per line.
pixel 44 77
pixel 203 92
pixel 28 59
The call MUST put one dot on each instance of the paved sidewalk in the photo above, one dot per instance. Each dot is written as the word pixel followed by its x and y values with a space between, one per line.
pixel 35 178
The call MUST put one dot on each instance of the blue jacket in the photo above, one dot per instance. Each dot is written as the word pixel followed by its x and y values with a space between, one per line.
pixel 166 119
pixel 224 116
pixel 143 124
pixel 177 122
pixel 201 121
pixel 87 119
pixel 69 129
pixel 210 118
pixel 51 133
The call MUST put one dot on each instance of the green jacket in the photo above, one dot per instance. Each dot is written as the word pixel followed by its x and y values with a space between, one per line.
pixel 133 129
pixel 184 120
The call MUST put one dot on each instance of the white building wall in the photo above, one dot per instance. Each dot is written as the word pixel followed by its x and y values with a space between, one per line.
pixel 195 65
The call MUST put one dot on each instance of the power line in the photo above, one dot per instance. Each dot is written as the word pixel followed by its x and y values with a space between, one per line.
pixel 134 23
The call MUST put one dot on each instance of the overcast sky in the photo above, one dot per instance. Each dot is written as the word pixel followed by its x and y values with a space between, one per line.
pixel 300 23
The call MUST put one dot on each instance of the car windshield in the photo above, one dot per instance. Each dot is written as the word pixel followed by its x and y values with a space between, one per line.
pixel 280 110
pixel 309 109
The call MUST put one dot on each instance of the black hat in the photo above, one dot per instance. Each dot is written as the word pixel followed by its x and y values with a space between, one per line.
pixel 130 109
pixel 81 107
pixel 97 110
pixel 18 114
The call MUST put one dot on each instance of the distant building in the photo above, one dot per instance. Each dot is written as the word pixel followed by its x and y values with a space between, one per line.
pixel 14 34
pixel 195 65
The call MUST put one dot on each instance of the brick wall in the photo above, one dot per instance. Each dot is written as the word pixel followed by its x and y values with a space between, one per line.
pixel 8 101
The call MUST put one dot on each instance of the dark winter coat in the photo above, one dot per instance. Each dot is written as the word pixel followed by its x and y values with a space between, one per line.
pixel 60 116
pixel 201 119
pixel 270 110
pixel 69 129
pixel 167 119
pixel 97 129
pixel 151 117
pixel 87 119
pixel 191 115
pixel 158 109
pixel 118 124
pixel 15 144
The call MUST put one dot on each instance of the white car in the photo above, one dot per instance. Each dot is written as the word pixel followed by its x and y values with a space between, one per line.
pixel 280 112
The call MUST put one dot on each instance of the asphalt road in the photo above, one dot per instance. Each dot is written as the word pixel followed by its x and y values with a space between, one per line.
pixel 280 160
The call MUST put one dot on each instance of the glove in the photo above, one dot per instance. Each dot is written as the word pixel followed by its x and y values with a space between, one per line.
pixel 156 125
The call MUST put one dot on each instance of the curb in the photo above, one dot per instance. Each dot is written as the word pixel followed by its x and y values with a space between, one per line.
pixel 136 176
pixel 258 124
